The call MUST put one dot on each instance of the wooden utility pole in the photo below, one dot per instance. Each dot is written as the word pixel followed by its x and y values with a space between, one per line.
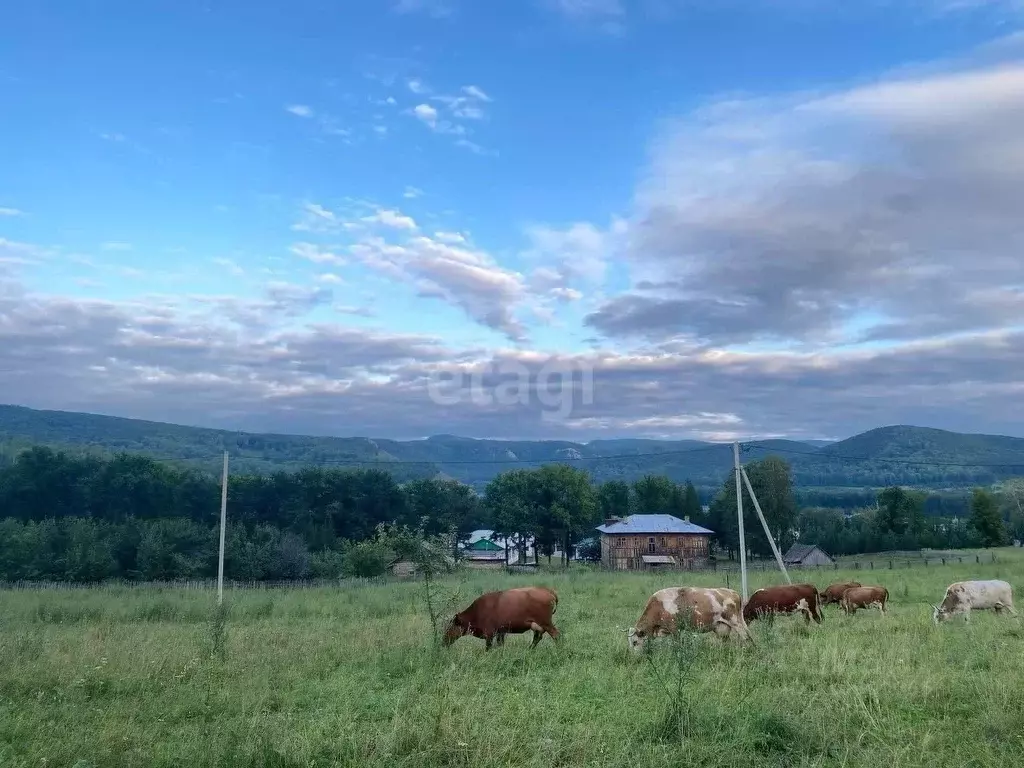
pixel 739 516
pixel 223 521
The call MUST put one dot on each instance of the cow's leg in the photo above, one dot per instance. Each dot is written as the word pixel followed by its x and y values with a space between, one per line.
pixel 499 639
pixel 488 639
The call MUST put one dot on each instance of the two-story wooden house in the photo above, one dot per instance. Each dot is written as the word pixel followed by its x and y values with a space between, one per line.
pixel 639 542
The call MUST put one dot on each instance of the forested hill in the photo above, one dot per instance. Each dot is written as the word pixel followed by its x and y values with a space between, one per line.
pixel 880 457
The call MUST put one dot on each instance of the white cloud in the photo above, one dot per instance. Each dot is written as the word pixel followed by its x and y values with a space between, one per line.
pixel 116 246
pixel 417 86
pixel 11 212
pixel 391 218
pixel 412 192
pixel 301 110
pixel 330 278
pixel 464 277
pixel 474 92
pixel 315 254
pixel 316 218
pixel 426 113
pixel 450 237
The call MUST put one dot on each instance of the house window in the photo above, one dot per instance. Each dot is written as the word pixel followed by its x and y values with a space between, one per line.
pixel 661 542
pixel 650 544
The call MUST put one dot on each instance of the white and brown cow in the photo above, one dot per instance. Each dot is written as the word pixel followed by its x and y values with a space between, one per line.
pixel 703 609
pixel 964 596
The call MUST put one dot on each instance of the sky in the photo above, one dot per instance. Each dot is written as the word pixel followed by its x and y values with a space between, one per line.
pixel 561 219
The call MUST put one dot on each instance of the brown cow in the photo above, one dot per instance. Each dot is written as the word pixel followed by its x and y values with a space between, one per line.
pixel 704 609
pixel 494 614
pixel 784 598
pixel 834 592
pixel 864 597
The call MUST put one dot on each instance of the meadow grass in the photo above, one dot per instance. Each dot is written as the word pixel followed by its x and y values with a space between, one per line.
pixel 352 676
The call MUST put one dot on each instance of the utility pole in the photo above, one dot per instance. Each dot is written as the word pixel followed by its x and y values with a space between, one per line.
pixel 223 521
pixel 764 523
pixel 739 515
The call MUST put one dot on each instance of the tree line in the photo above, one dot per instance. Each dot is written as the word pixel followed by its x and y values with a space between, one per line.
pixel 86 518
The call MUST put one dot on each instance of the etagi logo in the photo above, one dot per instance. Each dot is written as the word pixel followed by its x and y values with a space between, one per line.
pixel 557 386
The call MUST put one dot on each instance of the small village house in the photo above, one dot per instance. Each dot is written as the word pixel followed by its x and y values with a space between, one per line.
pixel 807 555
pixel 641 542
pixel 484 548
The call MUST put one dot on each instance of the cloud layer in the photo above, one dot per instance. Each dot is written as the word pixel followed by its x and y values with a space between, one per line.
pixel 807 265
pixel 884 213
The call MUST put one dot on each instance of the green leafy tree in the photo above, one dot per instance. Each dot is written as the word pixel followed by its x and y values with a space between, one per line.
pixel 691 503
pixel 511 499
pixel 613 499
pixel 654 494
pixel 986 519
pixel 900 518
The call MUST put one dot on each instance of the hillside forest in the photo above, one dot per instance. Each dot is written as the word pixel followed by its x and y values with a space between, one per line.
pixel 82 518
pixel 843 474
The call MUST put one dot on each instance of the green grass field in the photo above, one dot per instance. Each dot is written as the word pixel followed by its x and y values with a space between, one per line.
pixel 319 677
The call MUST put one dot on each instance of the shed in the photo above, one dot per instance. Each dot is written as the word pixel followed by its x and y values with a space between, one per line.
pixel 807 554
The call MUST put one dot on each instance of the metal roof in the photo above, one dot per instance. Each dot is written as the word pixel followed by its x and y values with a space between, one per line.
pixel 652 524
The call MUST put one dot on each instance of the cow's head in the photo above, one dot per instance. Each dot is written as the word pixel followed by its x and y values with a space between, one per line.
pixel 457 627
pixel 939 613
pixel 636 638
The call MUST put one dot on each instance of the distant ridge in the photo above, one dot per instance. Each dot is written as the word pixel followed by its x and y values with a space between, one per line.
pixel 899 454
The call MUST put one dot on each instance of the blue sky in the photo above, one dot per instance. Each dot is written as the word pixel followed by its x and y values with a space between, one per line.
pixel 588 181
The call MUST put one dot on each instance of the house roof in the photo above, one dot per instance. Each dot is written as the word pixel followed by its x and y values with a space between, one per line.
pixel 798 552
pixel 652 524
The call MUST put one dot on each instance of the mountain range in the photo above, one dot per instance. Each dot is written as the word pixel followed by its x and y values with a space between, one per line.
pixel 906 455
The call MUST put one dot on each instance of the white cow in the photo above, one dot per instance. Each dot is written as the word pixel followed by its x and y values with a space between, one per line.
pixel 704 609
pixel 963 596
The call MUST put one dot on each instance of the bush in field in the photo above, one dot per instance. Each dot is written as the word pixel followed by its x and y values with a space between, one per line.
pixel 328 564
pixel 367 559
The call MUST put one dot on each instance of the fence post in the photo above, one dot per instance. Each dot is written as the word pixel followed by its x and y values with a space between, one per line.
pixel 890 564
pixel 943 561
pixel 872 564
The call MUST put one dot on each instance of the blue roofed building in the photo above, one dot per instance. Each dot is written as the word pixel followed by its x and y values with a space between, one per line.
pixel 643 542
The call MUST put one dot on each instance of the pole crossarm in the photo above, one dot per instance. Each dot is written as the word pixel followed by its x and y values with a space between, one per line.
pixel 764 523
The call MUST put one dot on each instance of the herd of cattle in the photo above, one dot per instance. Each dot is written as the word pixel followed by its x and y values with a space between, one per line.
pixel 716 609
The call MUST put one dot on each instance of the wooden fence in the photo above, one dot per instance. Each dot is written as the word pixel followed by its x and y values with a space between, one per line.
pixel 863 564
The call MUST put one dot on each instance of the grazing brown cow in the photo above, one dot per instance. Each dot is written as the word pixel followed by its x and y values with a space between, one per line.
pixel 784 598
pixel 864 597
pixel 834 592
pixel 494 614
pixel 703 608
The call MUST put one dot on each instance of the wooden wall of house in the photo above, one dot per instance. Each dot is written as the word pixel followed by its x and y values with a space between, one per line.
pixel 624 551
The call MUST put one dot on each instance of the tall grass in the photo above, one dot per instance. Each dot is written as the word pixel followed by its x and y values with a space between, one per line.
pixel 323 677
